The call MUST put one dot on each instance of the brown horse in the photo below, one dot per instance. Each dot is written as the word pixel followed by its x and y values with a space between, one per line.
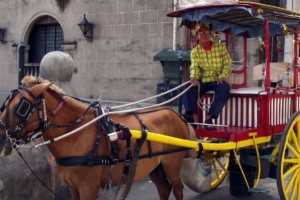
pixel 41 106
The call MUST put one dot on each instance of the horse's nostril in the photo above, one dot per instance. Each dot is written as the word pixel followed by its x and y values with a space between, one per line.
pixel 3 142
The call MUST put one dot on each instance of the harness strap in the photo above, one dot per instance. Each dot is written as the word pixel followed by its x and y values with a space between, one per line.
pixel 88 160
pixel 143 127
pixel 133 164
pixel 149 149
pixel 144 133
pixel 128 156
pixel 94 160
pixel 58 108
pixel 107 126
pixel 98 136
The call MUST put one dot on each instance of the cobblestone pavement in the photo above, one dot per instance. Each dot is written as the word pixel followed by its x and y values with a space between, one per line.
pixel 145 190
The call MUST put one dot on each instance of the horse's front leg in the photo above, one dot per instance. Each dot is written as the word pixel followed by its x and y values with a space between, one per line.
pixel 88 192
pixel 74 193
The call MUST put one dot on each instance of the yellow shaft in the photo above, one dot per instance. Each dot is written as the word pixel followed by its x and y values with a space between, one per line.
pixel 165 139
pixel 207 146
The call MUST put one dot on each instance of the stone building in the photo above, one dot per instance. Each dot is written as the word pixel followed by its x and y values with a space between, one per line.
pixel 116 64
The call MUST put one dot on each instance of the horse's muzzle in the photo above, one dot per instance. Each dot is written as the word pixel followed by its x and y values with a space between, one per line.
pixel 2 143
pixel 5 145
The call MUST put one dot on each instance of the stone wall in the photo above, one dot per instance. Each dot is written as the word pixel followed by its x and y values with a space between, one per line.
pixel 118 64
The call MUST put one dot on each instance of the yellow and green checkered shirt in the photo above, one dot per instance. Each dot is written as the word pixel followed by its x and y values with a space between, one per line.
pixel 210 66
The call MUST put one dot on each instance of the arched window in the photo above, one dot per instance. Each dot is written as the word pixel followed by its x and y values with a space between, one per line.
pixel 46 35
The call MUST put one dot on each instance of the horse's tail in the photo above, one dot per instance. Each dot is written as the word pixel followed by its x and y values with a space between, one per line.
pixel 192 136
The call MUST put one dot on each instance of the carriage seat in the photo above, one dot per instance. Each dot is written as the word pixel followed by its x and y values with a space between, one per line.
pixel 232 134
pixel 248 90
pixel 242 91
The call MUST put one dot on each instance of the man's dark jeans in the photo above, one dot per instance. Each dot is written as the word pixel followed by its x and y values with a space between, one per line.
pixel 221 94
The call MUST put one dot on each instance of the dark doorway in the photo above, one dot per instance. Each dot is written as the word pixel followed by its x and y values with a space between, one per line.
pixel 46 36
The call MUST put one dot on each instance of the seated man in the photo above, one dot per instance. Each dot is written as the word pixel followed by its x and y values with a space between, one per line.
pixel 210 68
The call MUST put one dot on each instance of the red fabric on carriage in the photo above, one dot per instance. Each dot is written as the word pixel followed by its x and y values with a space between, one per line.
pixel 226 133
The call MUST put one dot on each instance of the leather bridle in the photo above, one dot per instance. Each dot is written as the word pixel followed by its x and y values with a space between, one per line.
pixel 27 105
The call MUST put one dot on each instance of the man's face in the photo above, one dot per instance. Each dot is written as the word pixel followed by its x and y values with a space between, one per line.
pixel 204 35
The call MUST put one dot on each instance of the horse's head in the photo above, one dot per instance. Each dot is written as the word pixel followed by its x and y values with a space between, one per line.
pixel 23 113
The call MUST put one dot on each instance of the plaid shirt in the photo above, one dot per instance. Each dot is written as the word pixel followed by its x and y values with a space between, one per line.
pixel 210 66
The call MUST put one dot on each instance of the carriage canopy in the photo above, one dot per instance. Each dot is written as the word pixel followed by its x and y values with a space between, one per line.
pixel 239 18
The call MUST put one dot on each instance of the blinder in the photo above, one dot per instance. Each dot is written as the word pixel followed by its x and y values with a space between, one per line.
pixel 22 111
pixel 24 108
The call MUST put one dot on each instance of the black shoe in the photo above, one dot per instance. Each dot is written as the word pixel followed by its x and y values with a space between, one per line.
pixel 188 117
pixel 209 124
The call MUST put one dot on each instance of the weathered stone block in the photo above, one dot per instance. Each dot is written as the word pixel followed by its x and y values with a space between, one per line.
pixel 140 4
pixel 154 45
pixel 139 31
pixel 163 18
pixel 106 43
pixel 167 29
pixel 106 6
pixel 155 30
pixel 157 5
pixel 129 18
pixel 123 31
pixel 106 32
pixel 149 16
pixel 107 19
pixel 125 5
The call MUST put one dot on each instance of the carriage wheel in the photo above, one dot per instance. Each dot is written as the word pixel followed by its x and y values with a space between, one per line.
pixel 199 181
pixel 288 171
pixel 219 169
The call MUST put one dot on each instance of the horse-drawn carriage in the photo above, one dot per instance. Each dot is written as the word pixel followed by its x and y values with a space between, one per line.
pixel 93 145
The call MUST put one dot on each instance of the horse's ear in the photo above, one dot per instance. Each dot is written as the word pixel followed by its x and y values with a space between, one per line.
pixel 38 89
pixel 29 81
pixel 36 85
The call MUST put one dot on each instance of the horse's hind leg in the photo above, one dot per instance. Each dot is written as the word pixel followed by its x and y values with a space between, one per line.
pixel 158 177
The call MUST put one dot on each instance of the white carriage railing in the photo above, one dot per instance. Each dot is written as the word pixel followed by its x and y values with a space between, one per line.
pixel 280 109
pixel 297 104
pixel 245 110
pixel 239 111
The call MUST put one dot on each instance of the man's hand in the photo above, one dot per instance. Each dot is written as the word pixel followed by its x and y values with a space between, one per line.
pixel 195 82
pixel 221 80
